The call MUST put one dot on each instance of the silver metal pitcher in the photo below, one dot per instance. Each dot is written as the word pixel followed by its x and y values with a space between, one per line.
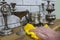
pixel 34 18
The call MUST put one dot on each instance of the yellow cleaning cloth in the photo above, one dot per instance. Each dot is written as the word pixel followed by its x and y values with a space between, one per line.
pixel 46 26
pixel 28 27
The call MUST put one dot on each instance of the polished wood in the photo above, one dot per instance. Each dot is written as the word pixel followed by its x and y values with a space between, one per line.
pixel 56 23
pixel 26 37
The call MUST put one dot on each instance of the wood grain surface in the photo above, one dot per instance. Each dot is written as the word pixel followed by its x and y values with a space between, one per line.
pixel 26 37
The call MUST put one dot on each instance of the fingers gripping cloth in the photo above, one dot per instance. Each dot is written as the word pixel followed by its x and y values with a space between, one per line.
pixel 27 29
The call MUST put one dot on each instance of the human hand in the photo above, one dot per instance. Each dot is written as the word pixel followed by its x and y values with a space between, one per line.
pixel 46 33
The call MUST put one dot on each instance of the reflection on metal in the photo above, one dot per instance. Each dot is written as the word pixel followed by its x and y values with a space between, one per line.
pixel 5 10
pixel 49 16
pixel 13 6
pixel 21 31
pixel 33 18
pixel 44 14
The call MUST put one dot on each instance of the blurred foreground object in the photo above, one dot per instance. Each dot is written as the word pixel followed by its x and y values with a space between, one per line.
pixel 29 27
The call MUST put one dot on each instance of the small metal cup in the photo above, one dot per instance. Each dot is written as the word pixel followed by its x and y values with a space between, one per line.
pixel 35 18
